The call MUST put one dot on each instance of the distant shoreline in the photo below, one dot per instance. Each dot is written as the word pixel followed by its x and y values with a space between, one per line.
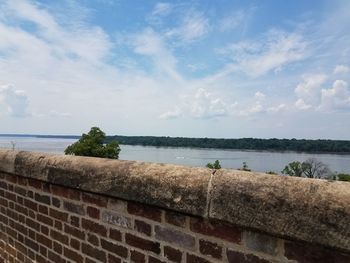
pixel 340 147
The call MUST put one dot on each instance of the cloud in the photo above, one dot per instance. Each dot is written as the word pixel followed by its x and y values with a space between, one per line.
pixel 201 105
pixel 232 21
pixel 341 69
pixel 335 98
pixel 173 114
pixel 259 96
pixel 301 105
pixel 15 101
pixel 162 9
pixel 309 88
pixel 151 44
pixel 273 51
pixel 194 26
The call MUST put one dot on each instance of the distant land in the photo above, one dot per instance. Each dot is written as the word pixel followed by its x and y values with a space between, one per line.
pixel 295 145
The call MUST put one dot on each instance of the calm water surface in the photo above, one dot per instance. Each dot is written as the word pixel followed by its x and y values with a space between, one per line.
pixel 257 161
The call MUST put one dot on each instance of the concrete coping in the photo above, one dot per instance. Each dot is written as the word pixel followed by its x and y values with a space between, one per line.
pixel 310 210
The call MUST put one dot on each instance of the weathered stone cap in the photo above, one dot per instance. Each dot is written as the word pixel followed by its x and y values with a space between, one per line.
pixel 316 211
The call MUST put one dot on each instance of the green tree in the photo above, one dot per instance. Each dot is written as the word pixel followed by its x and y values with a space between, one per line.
pixel 293 169
pixel 311 168
pixel 92 144
pixel 343 177
pixel 215 165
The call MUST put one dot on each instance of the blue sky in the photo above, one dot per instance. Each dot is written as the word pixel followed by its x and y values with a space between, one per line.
pixel 178 68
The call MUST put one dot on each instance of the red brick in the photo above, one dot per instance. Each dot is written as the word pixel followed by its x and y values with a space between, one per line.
pixel 74 208
pixel 113 259
pixel 114 248
pixel 44 240
pixel 3 185
pixel 137 257
pixel 238 257
pixel 40 259
pixel 45 199
pixel 59 237
pixel 72 255
pixel 32 224
pixel 195 259
pixel 65 192
pixel 20 190
pixel 56 202
pixel 304 253
pixel 144 211
pixel 57 247
pixel 74 243
pixel 154 260
pixel 93 239
pixel 62 216
pixel 174 236
pixel 11 196
pixel 22 181
pixel 210 249
pixel 142 243
pixel 95 199
pixel 43 209
pixel 93 212
pixel 142 227
pixel 175 219
pixel 94 227
pixel 44 219
pixel 31 244
pixel 260 242
pixel 74 232
pixel 172 254
pixel 94 252
pixel 11 178
pixel 58 225
pixel 218 229
pixel 44 230
pixel 35 183
pixel 55 258
pixel 115 234
pixel 75 221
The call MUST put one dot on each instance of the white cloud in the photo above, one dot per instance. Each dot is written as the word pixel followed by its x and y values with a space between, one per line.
pixel 259 96
pixel 341 69
pixel 278 108
pixel 162 9
pixel 335 98
pixel 301 105
pixel 193 27
pixel 232 21
pixel 83 42
pixel 173 114
pixel 272 52
pixel 202 105
pixel 14 101
pixel 310 87
pixel 151 44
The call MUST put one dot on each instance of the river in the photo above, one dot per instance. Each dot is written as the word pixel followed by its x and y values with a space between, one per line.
pixel 261 161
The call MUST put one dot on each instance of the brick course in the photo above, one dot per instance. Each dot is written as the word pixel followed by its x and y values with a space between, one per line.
pixel 49 223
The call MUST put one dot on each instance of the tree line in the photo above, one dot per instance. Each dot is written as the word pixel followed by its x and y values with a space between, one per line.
pixel 311 168
pixel 321 146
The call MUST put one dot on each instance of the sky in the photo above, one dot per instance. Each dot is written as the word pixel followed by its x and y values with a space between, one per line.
pixel 224 69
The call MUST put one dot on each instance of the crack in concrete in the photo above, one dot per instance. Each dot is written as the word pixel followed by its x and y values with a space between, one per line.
pixel 209 189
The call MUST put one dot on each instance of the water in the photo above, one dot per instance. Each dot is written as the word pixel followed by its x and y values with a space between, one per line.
pixel 257 160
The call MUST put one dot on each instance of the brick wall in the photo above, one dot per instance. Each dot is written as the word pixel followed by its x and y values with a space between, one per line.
pixel 43 222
